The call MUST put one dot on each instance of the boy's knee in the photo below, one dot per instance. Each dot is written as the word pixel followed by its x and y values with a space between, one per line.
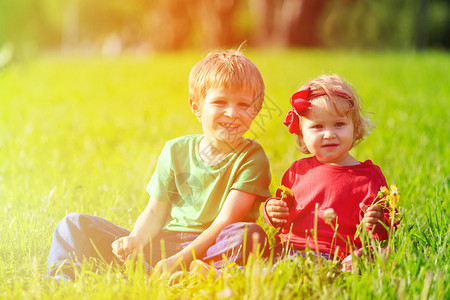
pixel 252 231
pixel 73 219
pixel 255 238
pixel 256 233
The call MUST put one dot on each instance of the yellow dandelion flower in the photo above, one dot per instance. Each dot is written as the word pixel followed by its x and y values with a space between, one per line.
pixel 394 197
pixel 396 217
pixel 328 215
pixel 383 192
pixel 285 191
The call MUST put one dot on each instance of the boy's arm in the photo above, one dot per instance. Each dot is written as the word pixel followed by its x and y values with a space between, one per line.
pixel 234 209
pixel 147 226
pixel 150 221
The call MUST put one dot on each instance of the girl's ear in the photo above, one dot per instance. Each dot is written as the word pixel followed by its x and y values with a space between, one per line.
pixel 195 107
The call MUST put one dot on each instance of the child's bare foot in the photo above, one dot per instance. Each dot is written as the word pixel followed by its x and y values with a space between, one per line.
pixel 176 277
pixel 200 268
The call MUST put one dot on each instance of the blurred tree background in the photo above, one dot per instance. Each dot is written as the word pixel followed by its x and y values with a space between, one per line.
pixel 112 27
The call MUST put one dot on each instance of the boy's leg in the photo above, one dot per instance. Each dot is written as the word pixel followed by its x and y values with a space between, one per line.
pixel 236 242
pixel 166 244
pixel 74 239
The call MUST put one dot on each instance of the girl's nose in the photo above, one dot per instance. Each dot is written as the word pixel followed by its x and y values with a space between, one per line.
pixel 328 134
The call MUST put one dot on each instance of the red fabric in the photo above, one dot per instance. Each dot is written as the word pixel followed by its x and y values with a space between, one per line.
pixel 300 105
pixel 292 122
pixel 339 187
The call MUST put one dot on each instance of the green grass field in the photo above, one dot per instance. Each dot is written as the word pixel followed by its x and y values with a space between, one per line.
pixel 83 135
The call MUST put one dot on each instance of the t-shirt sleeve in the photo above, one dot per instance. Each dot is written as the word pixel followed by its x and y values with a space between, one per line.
pixel 160 183
pixel 254 175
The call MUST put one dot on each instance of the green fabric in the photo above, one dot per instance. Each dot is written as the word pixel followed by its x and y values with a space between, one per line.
pixel 197 190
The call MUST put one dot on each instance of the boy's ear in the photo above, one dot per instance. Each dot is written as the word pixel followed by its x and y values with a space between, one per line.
pixel 195 107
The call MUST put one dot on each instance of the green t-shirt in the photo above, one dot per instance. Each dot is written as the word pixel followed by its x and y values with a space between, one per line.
pixel 197 191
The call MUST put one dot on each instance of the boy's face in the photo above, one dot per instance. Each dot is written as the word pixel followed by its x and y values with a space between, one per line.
pixel 225 114
pixel 328 135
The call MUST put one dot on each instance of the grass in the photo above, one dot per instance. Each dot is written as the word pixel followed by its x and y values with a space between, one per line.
pixel 83 134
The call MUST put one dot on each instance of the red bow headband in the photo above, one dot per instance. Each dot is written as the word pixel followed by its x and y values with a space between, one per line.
pixel 300 105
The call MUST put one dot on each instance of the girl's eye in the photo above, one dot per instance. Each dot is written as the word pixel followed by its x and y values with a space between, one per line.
pixel 340 124
pixel 244 105
pixel 317 126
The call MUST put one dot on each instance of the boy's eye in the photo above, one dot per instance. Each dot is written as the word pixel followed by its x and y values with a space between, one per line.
pixel 219 102
pixel 244 105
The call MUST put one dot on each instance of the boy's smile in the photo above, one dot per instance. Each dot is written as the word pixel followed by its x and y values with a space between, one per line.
pixel 225 114
pixel 328 136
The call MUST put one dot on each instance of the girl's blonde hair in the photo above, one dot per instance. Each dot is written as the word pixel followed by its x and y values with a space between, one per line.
pixel 226 69
pixel 335 89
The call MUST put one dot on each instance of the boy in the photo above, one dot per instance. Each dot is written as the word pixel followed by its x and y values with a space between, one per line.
pixel 206 189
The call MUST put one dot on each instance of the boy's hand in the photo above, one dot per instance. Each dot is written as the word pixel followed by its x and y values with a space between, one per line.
pixel 168 266
pixel 372 214
pixel 277 211
pixel 123 247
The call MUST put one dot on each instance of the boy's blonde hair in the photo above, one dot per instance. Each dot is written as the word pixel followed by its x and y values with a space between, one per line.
pixel 226 69
pixel 335 89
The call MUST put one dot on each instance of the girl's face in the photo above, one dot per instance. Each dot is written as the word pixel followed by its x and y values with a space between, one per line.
pixel 328 135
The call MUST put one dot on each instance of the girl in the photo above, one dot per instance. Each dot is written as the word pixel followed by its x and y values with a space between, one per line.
pixel 327 118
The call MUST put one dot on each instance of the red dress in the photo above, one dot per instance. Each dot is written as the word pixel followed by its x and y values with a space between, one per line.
pixel 339 187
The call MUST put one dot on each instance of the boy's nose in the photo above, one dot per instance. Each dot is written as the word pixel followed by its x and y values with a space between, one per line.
pixel 230 111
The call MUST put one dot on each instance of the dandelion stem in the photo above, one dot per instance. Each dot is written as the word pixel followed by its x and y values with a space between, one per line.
pixel 315 233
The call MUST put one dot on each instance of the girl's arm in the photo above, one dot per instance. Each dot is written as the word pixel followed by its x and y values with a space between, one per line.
pixel 147 226
pixel 376 218
pixel 234 209
pixel 275 212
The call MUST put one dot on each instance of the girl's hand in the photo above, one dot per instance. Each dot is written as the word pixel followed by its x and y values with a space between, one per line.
pixel 372 214
pixel 123 247
pixel 277 211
